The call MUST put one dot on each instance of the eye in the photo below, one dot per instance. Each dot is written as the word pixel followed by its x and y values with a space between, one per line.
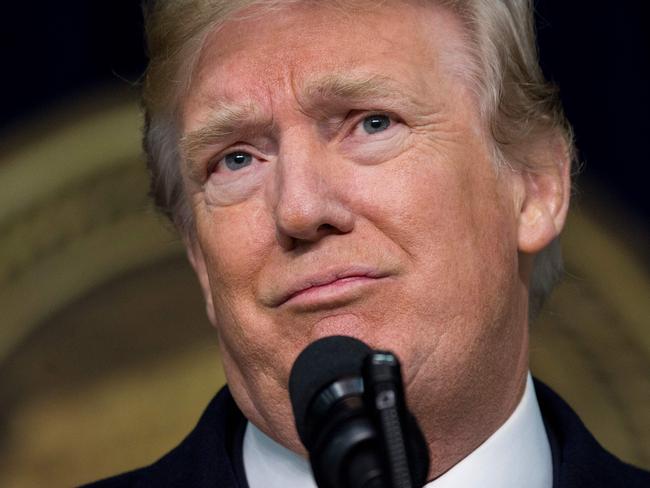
pixel 376 123
pixel 237 160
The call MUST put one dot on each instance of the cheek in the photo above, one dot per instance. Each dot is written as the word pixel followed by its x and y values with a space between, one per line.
pixel 235 241
pixel 416 201
pixel 435 211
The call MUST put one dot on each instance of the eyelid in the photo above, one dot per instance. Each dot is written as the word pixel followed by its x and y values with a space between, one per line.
pixel 217 160
pixel 364 114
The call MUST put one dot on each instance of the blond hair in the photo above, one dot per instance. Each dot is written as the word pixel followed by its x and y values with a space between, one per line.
pixel 516 102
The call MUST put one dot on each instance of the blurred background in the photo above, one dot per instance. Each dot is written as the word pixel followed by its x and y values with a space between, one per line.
pixel 106 357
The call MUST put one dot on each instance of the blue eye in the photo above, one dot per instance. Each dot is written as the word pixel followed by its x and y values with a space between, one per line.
pixel 237 160
pixel 376 123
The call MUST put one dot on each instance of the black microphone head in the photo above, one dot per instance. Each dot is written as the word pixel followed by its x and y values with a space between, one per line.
pixel 318 365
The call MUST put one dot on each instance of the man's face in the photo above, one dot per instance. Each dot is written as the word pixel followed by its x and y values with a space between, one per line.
pixel 341 182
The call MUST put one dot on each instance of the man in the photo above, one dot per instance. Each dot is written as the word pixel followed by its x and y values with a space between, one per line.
pixel 398 172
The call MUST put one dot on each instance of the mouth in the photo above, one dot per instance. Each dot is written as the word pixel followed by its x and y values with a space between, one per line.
pixel 330 289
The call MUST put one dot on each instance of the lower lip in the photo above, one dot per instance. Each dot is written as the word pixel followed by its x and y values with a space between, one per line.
pixel 332 294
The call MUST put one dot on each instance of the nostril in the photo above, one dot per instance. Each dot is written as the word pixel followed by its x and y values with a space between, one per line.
pixel 326 228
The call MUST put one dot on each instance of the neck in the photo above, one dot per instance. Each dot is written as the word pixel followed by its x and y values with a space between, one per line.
pixel 452 438
pixel 474 410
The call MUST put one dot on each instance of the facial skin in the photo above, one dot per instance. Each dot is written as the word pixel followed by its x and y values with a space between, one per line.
pixel 345 150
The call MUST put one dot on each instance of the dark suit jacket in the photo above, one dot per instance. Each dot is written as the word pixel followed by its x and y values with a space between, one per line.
pixel 210 456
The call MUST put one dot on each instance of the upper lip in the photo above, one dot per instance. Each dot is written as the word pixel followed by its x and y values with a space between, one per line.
pixel 324 277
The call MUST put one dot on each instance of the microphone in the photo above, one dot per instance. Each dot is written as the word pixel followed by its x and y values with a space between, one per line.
pixel 351 416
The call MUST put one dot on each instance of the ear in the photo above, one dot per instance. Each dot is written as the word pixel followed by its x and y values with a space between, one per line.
pixel 544 196
pixel 197 260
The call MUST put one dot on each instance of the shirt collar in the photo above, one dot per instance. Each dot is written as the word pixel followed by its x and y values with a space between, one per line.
pixel 517 454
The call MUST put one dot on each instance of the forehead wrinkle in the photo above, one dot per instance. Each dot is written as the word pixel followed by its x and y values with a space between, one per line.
pixel 351 88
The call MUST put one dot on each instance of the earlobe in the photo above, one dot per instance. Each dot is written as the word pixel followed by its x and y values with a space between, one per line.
pixel 197 260
pixel 545 201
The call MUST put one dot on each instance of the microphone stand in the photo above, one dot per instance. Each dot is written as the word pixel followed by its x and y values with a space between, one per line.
pixel 384 394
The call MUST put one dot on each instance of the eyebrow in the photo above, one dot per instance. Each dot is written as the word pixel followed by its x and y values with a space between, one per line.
pixel 351 88
pixel 224 120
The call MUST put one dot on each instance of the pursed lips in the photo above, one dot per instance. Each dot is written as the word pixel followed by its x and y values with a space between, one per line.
pixel 327 281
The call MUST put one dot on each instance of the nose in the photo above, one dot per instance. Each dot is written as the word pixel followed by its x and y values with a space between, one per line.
pixel 310 190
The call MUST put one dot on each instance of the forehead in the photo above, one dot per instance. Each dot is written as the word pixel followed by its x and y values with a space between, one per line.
pixel 289 48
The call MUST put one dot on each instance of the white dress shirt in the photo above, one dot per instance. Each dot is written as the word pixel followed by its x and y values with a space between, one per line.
pixel 517 455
